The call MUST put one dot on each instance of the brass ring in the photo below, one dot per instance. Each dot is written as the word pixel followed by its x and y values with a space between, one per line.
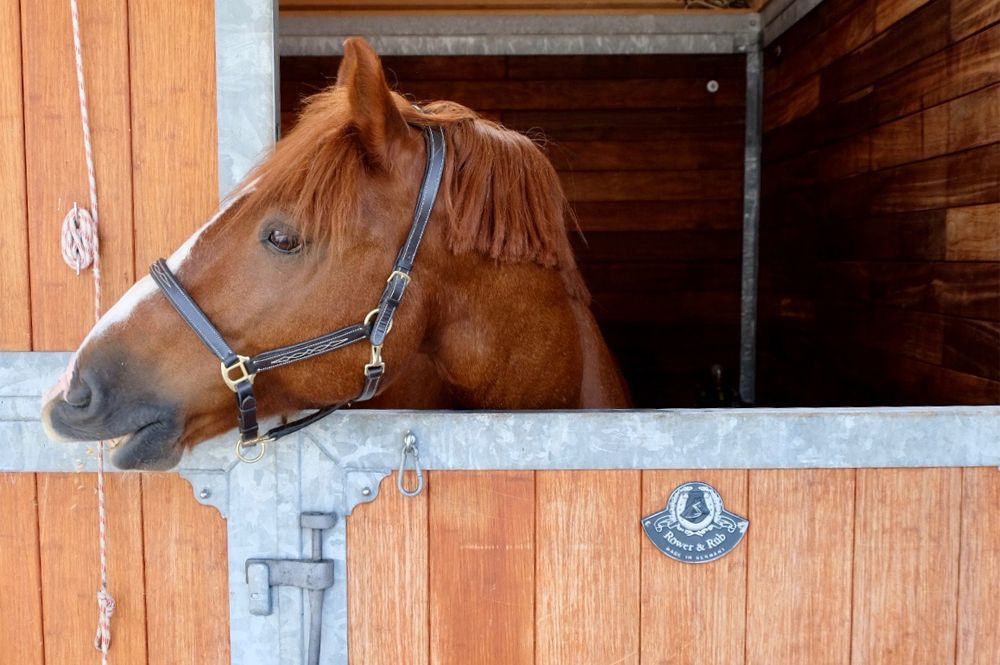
pixel 260 443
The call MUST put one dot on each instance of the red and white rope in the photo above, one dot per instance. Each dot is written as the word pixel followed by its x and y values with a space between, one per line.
pixel 80 248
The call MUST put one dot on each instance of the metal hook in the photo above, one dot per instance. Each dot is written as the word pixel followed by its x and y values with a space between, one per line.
pixel 409 448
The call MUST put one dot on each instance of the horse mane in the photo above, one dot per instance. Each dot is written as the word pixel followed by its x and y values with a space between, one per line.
pixel 503 197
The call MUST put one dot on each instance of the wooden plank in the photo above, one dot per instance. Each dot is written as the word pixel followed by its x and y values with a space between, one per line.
pixel 971 346
pixel 697 66
pixel 187 581
pixel 322 70
pixel 629 124
pixel 906 565
pixel 62 303
pixel 889 12
pixel 799 58
pixel 21 601
pixel 651 185
pixel 610 246
pixel 556 94
pixel 799 577
pixel 961 68
pixel 966 122
pixel 387 591
pixel 972 233
pixel 708 626
pixel 15 306
pixel 173 86
pixel 587 571
pixel 967 289
pixel 683 154
pixel 802 100
pixel 325 7
pixel 621 216
pixel 482 567
pixel 67 527
pixel 915 37
pixel 978 603
pixel 969 16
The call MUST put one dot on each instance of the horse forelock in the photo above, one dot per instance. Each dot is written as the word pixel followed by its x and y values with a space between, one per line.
pixel 503 199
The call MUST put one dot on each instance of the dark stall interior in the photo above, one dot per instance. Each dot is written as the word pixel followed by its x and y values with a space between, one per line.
pixel 880 223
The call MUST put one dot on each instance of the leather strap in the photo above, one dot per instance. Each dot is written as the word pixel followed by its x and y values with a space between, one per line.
pixel 392 296
pixel 399 278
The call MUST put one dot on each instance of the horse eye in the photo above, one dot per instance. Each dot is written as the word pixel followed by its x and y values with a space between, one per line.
pixel 284 241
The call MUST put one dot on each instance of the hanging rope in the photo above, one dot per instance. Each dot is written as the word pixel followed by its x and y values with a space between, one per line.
pixel 81 248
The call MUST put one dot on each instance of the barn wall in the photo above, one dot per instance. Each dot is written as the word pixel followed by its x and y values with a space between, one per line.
pixel 653 165
pixel 876 566
pixel 151 79
pixel 880 230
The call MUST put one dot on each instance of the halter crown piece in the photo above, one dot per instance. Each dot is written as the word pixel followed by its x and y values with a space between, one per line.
pixel 238 371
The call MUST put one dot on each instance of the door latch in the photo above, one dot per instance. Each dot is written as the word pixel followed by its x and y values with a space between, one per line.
pixel 315 575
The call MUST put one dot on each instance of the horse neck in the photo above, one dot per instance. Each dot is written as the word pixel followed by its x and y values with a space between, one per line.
pixel 506 336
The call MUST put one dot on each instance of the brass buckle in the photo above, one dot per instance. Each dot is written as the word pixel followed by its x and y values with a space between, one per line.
pixel 371 315
pixel 260 442
pixel 406 277
pixel 376 358
pixel 245 375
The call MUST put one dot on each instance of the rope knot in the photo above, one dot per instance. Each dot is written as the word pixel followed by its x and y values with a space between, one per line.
pixel 106 605
pixel 79 238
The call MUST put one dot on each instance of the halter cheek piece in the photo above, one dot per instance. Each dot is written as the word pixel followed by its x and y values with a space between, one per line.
pixel 239 371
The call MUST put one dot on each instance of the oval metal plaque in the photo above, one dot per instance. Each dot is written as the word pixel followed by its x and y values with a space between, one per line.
pixel 695 527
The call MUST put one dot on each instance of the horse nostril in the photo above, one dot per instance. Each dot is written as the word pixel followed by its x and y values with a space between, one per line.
pixel 78 394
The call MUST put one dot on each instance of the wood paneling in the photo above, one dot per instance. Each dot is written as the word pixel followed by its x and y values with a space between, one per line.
pixel 693 614
pixel 173 95
pixel 62 302
pixel 21 601
pixel 67 527
pixel 587 593
pixel 387 592
pixel 15 306
pixel 482 567
pixel 799 579
pixel 187 580
pixel 880 215
pixel 479 7
pixel 906 565
pixel 979 571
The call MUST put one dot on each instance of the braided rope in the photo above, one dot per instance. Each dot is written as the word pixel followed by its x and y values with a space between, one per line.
pixel 81 248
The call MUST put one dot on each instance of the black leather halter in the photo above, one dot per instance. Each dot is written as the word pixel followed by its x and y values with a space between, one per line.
pixel 239 371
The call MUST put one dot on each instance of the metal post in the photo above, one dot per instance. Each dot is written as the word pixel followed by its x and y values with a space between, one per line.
pixel 751 224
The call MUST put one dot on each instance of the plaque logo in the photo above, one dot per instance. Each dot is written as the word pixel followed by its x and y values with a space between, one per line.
pixel 695 527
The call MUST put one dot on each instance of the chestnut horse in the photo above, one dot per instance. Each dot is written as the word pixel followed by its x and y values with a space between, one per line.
pixel 497 315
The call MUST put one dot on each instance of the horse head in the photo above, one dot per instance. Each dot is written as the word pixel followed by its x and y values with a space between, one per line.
pixel 496 316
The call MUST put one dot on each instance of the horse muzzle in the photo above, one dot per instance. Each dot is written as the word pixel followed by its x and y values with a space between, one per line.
pixel 143 429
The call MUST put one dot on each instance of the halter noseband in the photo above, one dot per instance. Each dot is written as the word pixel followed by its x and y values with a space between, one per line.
pixel 239 371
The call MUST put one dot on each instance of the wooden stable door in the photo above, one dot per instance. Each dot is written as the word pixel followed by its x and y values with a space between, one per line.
pixel 839 567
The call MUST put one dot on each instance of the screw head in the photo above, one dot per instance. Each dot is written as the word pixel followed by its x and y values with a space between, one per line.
pixel 366 491
pixel 409 438
pixel 712 86
pixel 205 493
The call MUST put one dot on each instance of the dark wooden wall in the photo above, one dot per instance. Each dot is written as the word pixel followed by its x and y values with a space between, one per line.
pixel 880 236
pixel 652 162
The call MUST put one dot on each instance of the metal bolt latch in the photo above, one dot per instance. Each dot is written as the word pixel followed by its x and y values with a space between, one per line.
pixel 314 575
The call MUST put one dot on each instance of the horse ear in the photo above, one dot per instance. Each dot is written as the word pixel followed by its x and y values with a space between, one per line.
pixel 373 111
